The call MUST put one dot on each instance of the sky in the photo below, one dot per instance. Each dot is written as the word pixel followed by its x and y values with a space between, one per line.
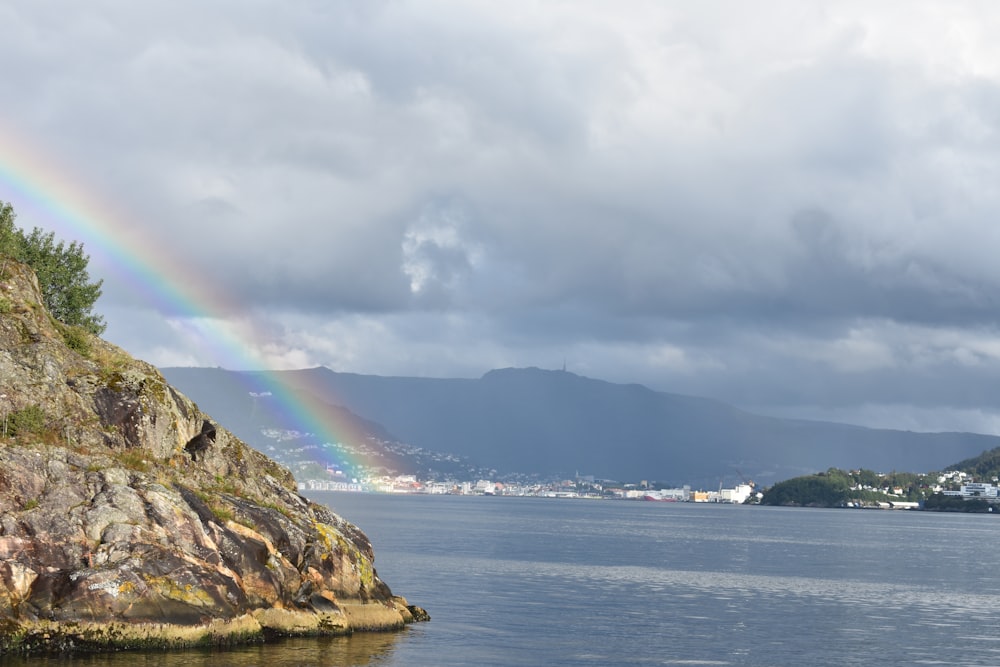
pixel 793 207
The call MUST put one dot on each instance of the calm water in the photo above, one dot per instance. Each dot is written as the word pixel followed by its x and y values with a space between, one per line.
pixel 572 582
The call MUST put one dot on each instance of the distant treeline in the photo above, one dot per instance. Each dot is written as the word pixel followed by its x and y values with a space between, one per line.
pixel 837 488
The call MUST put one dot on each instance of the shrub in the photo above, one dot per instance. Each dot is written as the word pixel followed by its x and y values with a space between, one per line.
pixel 26 421
pixel 134 459
pixel 76 339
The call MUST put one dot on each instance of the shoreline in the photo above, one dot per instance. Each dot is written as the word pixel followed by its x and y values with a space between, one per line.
pixel 261 626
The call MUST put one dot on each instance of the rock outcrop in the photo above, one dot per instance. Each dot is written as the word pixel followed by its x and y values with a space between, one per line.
pixel 129 519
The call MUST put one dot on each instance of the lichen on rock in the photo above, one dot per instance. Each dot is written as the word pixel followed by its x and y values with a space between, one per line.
pixel 113 535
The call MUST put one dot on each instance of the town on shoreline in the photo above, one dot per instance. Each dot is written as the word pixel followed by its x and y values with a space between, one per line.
pixel 580 487
pixel 952 491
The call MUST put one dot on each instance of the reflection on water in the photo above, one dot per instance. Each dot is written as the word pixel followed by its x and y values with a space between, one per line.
pixel 357 650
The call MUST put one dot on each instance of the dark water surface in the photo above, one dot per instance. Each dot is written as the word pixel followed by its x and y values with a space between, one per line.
pixel 512 581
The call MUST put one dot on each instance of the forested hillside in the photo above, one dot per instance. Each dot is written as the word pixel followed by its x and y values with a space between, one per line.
pixel 837 488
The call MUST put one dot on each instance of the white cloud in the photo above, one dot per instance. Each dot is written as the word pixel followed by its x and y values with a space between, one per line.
pixel 435 256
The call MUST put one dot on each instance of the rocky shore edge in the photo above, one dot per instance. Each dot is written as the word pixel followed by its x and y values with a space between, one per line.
pixel 260 626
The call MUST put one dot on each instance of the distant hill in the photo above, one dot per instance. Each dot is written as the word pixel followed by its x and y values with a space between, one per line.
pixel 533 420
pixel 984 468
pixel 245 402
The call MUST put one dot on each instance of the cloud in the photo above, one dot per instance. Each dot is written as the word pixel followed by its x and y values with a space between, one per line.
pixel 784 206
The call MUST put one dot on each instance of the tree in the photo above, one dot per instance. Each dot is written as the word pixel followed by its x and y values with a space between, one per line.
pixel 9 237
pixel 62 274
pixel 829 489
pixel 867 478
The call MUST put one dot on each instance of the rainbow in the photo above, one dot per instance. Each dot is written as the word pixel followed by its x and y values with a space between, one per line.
pixel 207 316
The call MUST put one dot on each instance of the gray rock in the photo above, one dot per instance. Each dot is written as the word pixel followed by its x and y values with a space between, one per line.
pixel 112 536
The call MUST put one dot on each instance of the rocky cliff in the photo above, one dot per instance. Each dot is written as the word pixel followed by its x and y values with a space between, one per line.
pixel 129 519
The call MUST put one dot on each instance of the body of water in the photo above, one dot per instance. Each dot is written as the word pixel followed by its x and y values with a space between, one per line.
pixel 511 581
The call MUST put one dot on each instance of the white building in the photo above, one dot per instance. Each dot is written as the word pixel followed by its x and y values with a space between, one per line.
pixel 485 486
pixel 737 496
pixel 977 490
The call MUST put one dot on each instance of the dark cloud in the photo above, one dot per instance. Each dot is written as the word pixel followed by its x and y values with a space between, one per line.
pixel 788 207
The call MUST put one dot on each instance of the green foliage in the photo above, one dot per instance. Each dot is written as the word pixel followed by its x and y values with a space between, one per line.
pixel 984 467
pixel 62 274
pixel 868 478
pixel 76 339
pixel 222 513
pixel 822 490
pixel 9 235
pixel 133 459
pixel 26 421
pixel 835 488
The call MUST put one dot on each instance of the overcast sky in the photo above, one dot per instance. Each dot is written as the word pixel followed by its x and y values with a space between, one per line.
pixel 790 206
